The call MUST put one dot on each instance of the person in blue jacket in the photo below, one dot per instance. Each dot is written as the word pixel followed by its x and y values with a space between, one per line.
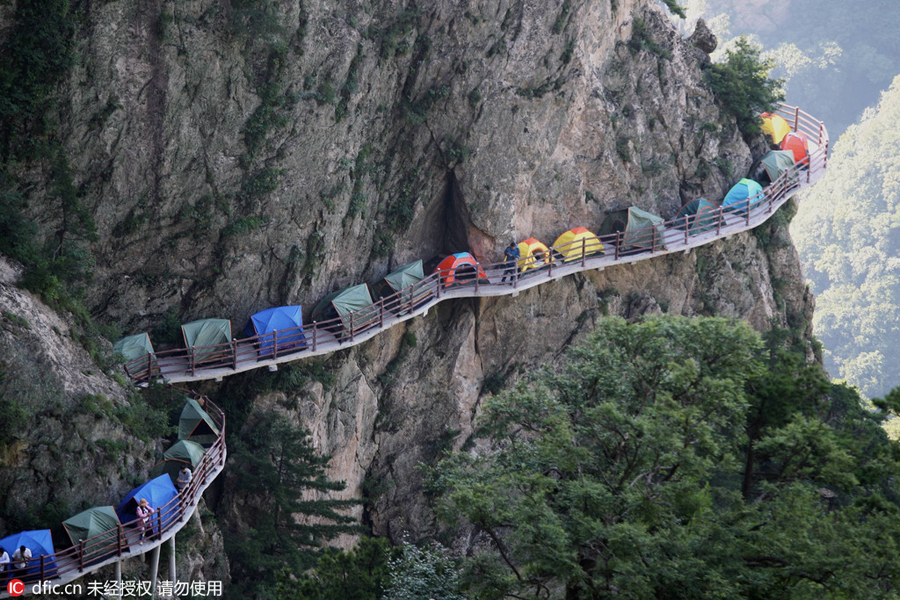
pixel 510 255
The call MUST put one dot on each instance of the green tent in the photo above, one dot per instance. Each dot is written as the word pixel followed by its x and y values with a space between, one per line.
pixel 777 162
pixel 206 332
pixel 196 425
pixel 134 346
pixel 94 523
pixel 637 225
pixel 353 299
pixel 702 215
pixel 183 453
pixel 403 279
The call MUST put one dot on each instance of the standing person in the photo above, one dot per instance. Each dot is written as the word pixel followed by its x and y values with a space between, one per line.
pixel 4 563
pixel 20 558
pixel 144 510
pixel 184 478
pixel 510 256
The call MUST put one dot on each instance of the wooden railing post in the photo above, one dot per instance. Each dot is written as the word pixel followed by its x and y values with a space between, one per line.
pixel 618 243
pixel 381 314
pixel 583 250
pixel 81 555
pixel 234 354
pixel 719 221
pixel 274 344
pixel 477 268
pixel 652 238
pixel 120 538
pixel 686 227
pixel 43 571
pixel 314 328
pixel 747 220
pixel 797 118
pixel 351 327
pixel 193 361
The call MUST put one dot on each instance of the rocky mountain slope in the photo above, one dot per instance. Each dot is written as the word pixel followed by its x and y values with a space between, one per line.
pixel 237 155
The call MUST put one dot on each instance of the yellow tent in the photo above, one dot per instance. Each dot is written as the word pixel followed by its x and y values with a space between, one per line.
pixel 570 243
pixel 534 253
pixel 775 127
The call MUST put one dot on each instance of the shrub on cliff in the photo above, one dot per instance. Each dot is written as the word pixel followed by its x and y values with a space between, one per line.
pixel 743 86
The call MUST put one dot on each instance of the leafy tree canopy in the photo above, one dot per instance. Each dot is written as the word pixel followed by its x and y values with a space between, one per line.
pixel 677 458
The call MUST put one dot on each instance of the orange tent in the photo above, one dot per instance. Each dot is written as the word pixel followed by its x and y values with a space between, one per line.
pixel 460 269
pixel 797 143
pixel 534 253
pixel 774 126
pixel 570 243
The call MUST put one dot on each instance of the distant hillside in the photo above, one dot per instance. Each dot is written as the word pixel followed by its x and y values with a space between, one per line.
pixel 848 236
pixel 837 56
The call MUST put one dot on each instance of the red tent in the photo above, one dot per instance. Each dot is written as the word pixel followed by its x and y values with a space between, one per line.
pixel 797 143
pixel 460 268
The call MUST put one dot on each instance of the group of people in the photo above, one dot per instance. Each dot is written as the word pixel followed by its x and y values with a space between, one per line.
pixel 16 566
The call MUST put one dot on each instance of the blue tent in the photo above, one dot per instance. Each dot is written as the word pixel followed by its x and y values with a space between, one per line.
pixel 740 197
pixel 158 492
pixel 280 318
pixel 39 542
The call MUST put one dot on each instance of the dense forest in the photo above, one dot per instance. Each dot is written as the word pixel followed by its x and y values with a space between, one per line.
pixel 849 234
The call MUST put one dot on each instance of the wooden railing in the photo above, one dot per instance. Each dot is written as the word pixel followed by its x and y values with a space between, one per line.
pixel 618 248
pixel 124 540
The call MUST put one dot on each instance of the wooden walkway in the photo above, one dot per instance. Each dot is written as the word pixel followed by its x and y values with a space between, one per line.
pixel 320 338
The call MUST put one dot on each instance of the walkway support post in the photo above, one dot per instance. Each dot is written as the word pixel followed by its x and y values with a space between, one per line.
pixel 172 559
pixel 119 578
pixel 154 570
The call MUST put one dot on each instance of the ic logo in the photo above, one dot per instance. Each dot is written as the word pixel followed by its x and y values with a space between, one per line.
pixel 15 587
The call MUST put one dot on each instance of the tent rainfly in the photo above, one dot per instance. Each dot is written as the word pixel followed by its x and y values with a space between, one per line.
pixel 534 254
pixel 774 126
pixel 777 162
pixel 460 269
pixel 196 425
pixel 350 305
pixel 640 229
pixel 282 323
pixel 203 333
pixel 40 543
pixel 745 194
pixel 797 143
pixel 98 526
pixel 570 244
pixel 183 453
pixel 698 215
pixel 134 346
pixel 158 492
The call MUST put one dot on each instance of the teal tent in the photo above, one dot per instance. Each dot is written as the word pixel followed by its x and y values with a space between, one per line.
pixel 206 332
pixel 701 215
pixel 342 303
pixel 99 527
pixel 641 228
pixel 196 425
pixel 745 194
pixel 134 346
pixel 183 453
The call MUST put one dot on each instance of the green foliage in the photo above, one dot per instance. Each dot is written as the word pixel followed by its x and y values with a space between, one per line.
pixel 415 111
pixel 390 38
pixel 275 465
pixel 243 226
pixel 675 8
pixel 359 574
pixel 254 18
pixel 742 84
pixel 474 98
pixel 642 40
pixel 423 573
pixel 677 458
pixel 562 18
pixel 848 237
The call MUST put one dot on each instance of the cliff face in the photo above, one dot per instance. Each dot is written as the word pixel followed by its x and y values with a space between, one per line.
pixel 237 156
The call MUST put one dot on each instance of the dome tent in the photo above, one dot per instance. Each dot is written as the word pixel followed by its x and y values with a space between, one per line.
pixel 641 230
pixel 287 321
pixel 100 526
pixel 343 303
pixel 774 126
pixel 134 346
pixel 698 215
pixel 798 144
pixel 40 542
pixel 206 332
pixel 196 425
pixel 534 254
pixel 403 279
pixel 183 453
pixel 460 269
pixel 570 244
pixel 158 492
pixel 745 194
